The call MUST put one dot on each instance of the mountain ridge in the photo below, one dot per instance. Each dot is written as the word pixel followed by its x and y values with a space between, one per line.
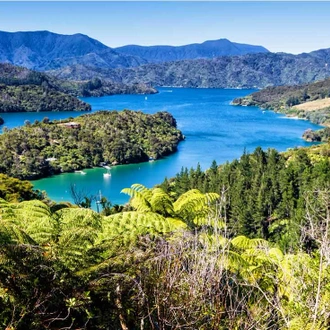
pixel 206 49
pixel 41 50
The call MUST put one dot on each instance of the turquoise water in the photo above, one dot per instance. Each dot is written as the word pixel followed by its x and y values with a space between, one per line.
pixel 214 130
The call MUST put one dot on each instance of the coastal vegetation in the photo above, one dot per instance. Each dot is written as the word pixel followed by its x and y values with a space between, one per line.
pixel 44 148
pixel 178 257
pixel 244 245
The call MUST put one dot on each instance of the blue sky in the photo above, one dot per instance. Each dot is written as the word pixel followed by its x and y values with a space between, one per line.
pixel 292 27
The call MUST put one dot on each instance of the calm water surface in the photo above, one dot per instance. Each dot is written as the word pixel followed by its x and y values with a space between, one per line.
pixel 214 130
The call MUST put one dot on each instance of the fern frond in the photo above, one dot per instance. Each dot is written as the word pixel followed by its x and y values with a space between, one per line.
pixel 161 202
pixel 244 243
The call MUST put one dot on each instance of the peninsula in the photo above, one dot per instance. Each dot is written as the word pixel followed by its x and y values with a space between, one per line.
pixel 42 149
pixel 308 101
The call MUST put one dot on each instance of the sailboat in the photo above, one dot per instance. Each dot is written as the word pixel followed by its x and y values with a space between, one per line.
pixel 107 174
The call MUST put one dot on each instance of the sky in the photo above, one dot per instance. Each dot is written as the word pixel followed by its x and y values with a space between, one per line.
pixel 291 27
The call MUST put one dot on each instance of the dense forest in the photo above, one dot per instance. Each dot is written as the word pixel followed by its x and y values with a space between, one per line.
pixel 252 253
pixel 43 148
pixel 263 193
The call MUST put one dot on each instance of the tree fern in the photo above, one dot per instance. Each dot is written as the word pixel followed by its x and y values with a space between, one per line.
pixel 192 207
pixel 77 231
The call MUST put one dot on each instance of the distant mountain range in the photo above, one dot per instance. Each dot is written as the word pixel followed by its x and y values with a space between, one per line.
pixel 43 50
pixel 207 49
pixel 78 57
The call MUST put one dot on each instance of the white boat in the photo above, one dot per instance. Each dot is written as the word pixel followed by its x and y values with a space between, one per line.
pixel 146 98
pixel 81 172
pixel 107 174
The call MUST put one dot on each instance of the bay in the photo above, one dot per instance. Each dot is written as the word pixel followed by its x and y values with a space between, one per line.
pixel 214 130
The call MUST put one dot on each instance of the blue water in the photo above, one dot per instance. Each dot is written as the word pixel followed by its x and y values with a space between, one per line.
pixel 214 130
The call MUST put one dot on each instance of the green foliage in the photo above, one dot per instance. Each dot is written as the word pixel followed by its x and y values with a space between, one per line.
pixel 14 190
pixel 74 268
pixel 192 207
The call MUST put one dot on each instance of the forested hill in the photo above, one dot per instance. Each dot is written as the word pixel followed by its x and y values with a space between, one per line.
pixel 42 50
pixel 25 90
pixel 246 71
pixel 281 97
pixel 207 49
pixel 309 101
pixel 41 149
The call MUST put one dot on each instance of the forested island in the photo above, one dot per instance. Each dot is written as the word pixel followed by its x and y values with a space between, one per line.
pixel 244 243
pixel 307 101
pixel 45 148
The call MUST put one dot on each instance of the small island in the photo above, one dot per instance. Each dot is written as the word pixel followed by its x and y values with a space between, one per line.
pixel 309 101
pixel 45 148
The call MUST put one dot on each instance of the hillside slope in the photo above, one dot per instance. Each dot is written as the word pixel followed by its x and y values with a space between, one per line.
pixel 247 71
pixel 15 76
pixel 25 90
